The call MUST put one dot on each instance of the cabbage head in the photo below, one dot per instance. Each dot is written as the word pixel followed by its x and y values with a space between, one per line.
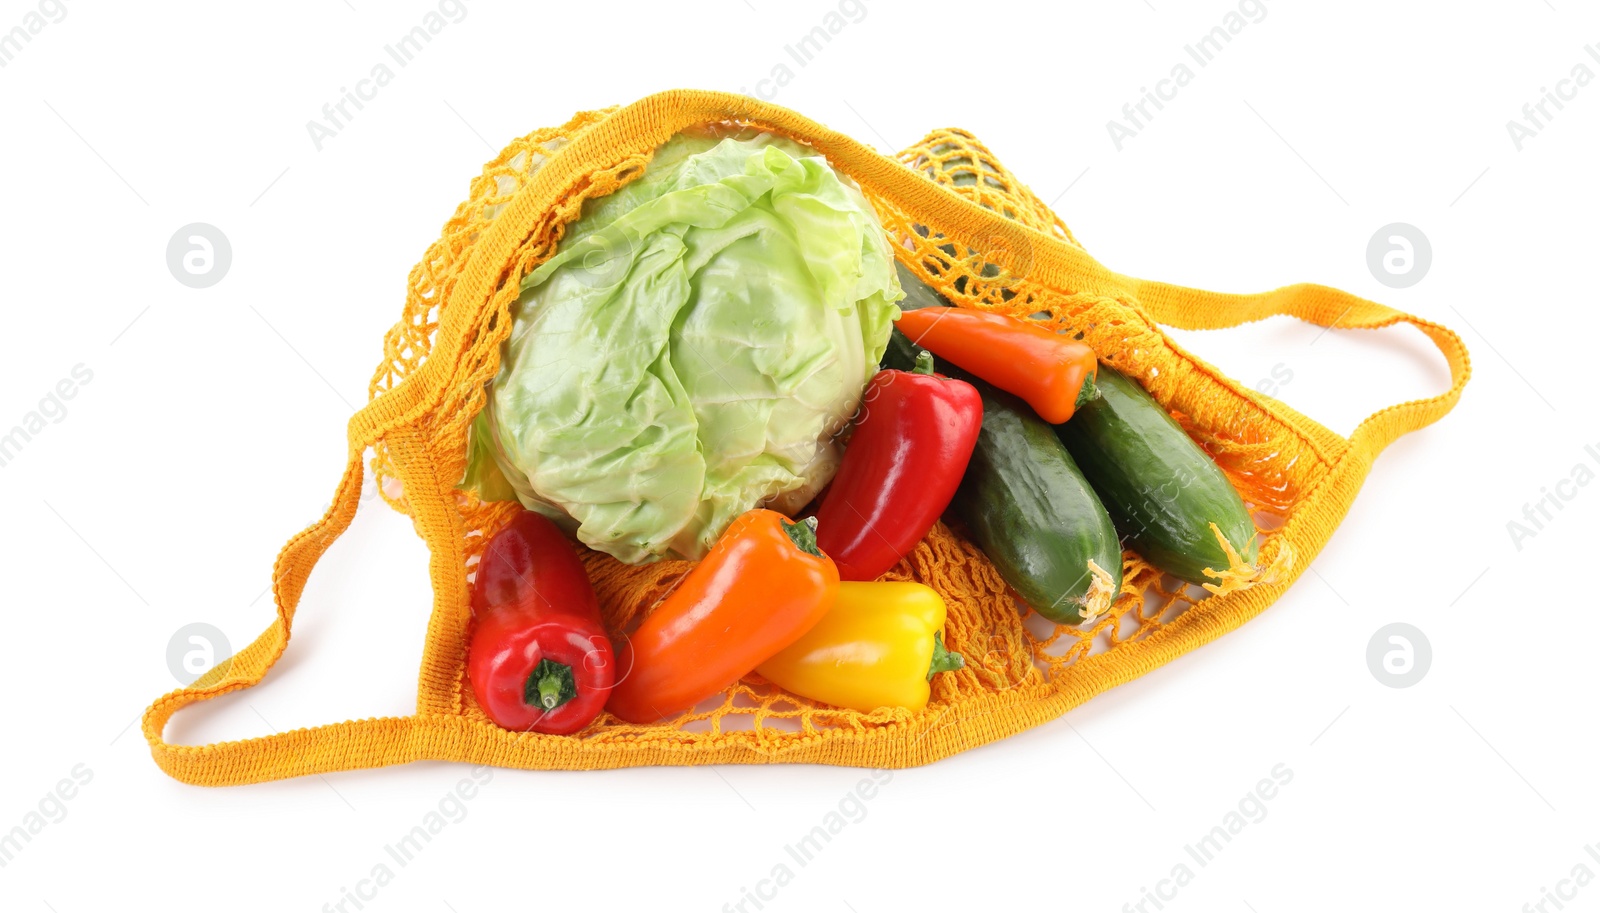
pixel 692 349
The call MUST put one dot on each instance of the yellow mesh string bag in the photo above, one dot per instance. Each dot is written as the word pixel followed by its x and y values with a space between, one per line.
pixel 966 226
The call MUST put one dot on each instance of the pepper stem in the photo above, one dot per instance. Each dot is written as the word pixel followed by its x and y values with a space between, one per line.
pixel 1088 393
pixel 944 660
pixel 803 535
pixel 549 685
pixel 924 363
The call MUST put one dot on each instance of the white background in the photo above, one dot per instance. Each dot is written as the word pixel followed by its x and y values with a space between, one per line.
pixel 213 428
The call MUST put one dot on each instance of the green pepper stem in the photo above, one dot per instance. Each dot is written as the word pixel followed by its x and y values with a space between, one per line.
pixel 549 685
pixel 550 691
pixel 944 660
pixel 924 363
pixel 803 535
pixel 1088 393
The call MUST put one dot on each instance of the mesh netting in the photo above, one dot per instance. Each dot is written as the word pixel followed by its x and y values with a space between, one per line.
pixel 1007 650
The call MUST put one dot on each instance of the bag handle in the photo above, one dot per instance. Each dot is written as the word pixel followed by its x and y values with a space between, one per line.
pixel 340 746
pixel 1195 309
pixel 227 762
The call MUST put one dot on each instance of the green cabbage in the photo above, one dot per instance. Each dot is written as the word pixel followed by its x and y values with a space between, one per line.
pixel 692 349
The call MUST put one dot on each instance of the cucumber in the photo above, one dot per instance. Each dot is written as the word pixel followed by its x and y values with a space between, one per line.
pixel 919 294
pixel 1162 491
pixel 1030 510
pixel 1023 500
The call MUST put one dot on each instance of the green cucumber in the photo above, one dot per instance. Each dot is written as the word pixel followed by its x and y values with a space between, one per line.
pixel 1163 492
pixel 901 354
pixel 1030 510
pixel 919 294
pixel 1023 500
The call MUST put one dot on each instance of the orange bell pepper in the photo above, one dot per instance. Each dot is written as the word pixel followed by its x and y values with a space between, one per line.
pixel 762 586
pixel 1054 373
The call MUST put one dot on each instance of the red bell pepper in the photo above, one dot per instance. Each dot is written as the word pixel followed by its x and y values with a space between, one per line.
pixel 900 470
pixel 539 658
pixel 1054 373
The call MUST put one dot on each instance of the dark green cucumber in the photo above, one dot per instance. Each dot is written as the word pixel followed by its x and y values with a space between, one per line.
pixel 1162 490
pixel 901 355
pixel 919 294
pixel 1023 500
pixel 1030 510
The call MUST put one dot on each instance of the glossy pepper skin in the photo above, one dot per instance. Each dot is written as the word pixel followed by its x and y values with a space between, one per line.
pixel 902 467
pixel 539 659
pixel 879 646
pixel 1053 373
pixel 761 587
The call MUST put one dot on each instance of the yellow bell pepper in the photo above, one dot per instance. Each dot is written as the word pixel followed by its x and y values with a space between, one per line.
pixel 879 646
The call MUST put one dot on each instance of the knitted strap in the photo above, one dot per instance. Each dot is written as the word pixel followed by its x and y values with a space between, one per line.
pixel 242 761
pixel 1194 309
pixel 349 745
